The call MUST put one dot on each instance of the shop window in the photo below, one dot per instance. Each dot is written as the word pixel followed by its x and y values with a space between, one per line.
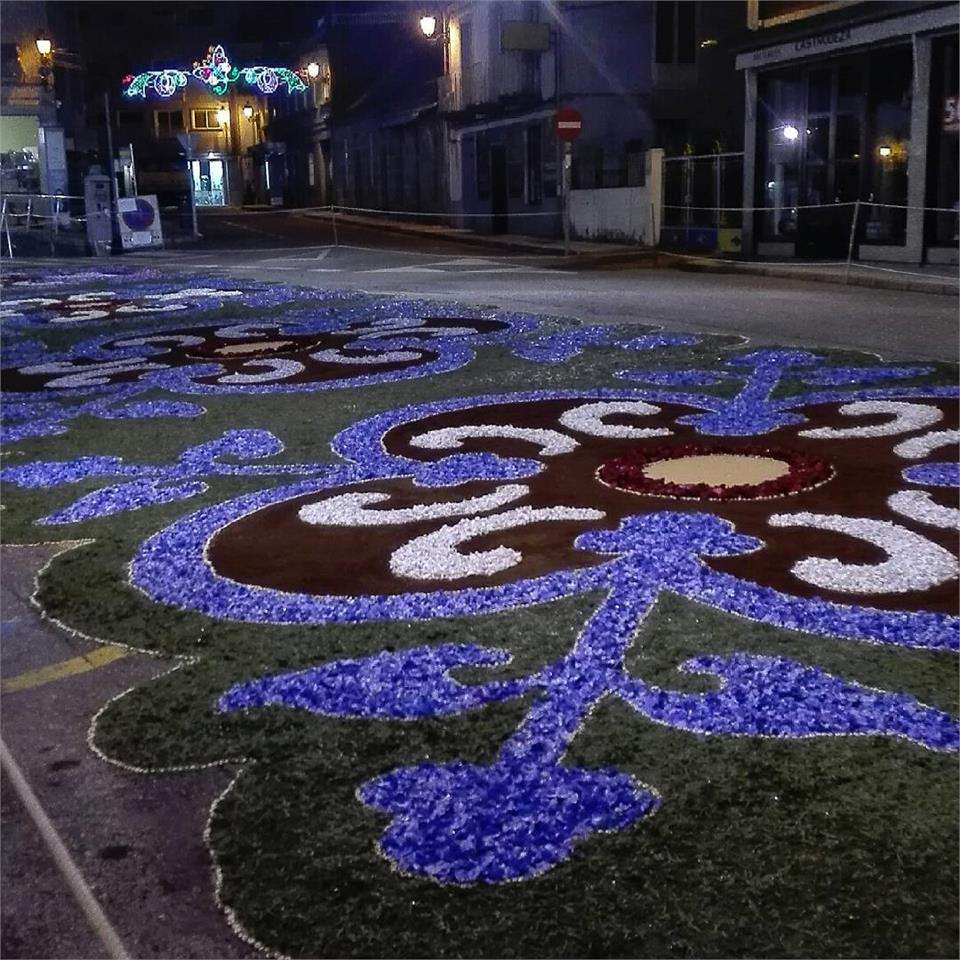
pixel 887 145
pixel 848 138
pixel 781 103
pixel 818 140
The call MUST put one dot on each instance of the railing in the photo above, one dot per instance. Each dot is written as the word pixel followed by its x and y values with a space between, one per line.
pixel 694 183
pixel 45 214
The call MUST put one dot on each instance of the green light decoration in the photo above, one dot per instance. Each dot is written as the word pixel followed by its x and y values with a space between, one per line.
pixel 216 72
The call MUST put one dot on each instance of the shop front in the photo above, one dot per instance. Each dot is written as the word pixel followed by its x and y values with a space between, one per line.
pixel 851 137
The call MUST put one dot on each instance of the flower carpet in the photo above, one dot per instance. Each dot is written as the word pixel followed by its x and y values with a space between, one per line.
pixel 523 637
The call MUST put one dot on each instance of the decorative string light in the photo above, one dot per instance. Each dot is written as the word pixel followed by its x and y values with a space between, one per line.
pixel 215 71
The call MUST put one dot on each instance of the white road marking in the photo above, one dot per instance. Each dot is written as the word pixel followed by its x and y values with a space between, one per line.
pixel 61 857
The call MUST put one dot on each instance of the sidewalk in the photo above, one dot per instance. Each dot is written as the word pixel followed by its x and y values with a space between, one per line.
pixel 929 278
pixel 584 251
pixel 937 279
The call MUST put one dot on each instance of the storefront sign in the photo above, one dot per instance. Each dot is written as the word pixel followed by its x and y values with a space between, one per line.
pixel 824 40
pixel 845 37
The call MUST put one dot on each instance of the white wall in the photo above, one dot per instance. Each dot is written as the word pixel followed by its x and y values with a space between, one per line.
pixel 621 213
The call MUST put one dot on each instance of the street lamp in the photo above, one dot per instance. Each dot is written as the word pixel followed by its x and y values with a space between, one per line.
pixel 790 132
pixel 247 111
pixel 313 70
pixel 428 26
pixel 223 116
pixel 45 49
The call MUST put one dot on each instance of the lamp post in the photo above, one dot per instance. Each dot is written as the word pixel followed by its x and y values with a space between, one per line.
pixel 45 49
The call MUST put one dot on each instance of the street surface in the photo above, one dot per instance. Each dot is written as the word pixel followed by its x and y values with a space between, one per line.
pixel 298 249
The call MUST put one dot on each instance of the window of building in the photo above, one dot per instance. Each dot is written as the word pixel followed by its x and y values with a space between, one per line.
pixel 675 31
pixel 686 32
pixel 666 12
pixel 168 123
pixel 10 71
pixel 130 118
pixel 311 170
pixel 204 119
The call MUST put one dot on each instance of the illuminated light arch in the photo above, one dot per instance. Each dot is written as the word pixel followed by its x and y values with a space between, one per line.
pixel 216 72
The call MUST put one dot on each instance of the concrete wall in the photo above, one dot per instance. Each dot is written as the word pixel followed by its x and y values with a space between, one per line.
pixel 624 214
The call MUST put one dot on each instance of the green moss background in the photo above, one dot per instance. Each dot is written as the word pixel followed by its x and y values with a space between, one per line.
pixel 839 847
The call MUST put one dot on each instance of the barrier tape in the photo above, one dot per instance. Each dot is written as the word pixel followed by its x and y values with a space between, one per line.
pixel 813 206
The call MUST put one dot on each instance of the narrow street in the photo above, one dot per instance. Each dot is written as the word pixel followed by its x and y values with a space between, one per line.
pixel 288 248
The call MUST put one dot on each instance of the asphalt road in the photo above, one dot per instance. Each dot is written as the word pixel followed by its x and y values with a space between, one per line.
pixel 298 249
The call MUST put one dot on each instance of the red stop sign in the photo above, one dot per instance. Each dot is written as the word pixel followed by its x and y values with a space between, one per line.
pixel 568 123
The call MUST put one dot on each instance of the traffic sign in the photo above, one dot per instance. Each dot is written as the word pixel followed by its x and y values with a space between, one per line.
pixel 568 124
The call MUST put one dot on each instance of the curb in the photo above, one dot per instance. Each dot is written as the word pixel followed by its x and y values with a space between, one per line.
pixel 679 261
pixel 506 242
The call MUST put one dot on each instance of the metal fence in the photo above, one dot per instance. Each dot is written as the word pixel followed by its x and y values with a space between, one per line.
pixel 695 188
pixel 40 222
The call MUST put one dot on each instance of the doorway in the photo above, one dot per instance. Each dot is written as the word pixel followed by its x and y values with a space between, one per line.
pixel 833 155
pixel 498 188
pixel 209 183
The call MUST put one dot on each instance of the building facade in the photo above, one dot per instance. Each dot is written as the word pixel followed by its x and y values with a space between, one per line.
pixel 630 69
pixel 295 161
pixel 850 102
pixel 36 102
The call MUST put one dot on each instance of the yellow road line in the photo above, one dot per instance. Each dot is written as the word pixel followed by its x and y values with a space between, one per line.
pixel 99 657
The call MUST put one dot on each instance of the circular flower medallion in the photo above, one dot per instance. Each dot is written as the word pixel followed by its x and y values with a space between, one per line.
pixel 301 354
pixel 481 504
pixel 707 472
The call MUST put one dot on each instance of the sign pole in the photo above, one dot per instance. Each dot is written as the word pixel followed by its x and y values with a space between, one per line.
pixel 567 123
pixel 112 173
